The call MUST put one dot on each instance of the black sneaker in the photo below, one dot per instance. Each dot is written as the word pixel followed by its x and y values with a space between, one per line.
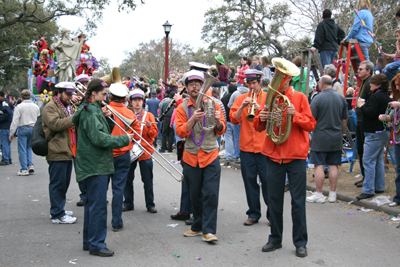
pixel 301 251
pixel 180 216
pixel 3 163
pixel 105 252
pixel 127 209
pixel 270 246
pixel 190 221
pixel 118 228
pixel 81 202
pixel 152 210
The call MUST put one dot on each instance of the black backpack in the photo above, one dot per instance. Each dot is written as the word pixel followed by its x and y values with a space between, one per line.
pixel 39 142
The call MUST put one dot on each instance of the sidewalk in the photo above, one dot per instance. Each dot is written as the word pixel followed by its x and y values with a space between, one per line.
pixel 346 190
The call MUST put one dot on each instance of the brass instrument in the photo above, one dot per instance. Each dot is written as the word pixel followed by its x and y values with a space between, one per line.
pixel 128 123
pixel 206 103
pixel 284 69
pixel 251 114
pixel 78 87
pixel 113 77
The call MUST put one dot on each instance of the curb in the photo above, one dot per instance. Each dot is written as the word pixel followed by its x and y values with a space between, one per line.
pixel 363 203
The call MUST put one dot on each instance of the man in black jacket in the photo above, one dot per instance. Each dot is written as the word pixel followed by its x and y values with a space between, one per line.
pixel 327 38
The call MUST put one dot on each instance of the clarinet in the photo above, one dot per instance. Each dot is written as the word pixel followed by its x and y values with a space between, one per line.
pixel 170 105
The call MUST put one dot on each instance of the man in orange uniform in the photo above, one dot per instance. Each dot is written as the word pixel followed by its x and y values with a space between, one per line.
pixel 122 159
pixel 148 131
pixel 288 158
pixel 201 162
pixel 250 142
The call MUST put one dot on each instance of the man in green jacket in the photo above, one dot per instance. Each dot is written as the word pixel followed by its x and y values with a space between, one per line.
pixel 61 136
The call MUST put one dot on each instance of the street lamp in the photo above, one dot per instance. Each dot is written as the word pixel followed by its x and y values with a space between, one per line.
pixel 167 29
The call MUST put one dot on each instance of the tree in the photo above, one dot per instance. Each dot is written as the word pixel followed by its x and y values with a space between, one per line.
pixel 22 21
pixel 104 67
pixel 149 58
pixel 247 26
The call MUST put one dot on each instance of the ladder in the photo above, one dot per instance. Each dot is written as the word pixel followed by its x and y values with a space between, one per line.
pixel 313 62
pixel 351 58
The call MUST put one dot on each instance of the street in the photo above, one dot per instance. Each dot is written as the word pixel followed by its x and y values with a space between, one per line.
pixel 28 237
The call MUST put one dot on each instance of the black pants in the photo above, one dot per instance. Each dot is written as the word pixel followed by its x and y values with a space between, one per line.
pixel 167 134
pixel 276 175
pixel 360 145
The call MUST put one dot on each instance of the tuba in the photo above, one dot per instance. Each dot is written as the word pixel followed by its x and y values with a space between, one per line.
pixel 113 77
pixel 274 124
pixel 206 103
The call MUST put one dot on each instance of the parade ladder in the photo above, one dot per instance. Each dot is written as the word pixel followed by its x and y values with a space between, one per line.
pixel 350 59
pixel 312 60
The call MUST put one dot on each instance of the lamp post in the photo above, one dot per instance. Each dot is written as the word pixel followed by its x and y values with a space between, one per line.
pixel 167 29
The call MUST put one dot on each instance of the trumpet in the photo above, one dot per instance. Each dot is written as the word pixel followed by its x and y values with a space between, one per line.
pixel 251 112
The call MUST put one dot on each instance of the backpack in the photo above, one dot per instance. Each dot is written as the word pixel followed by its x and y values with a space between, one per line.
pixel 39 143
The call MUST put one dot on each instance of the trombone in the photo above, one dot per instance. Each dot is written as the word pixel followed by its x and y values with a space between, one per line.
pixel 128 124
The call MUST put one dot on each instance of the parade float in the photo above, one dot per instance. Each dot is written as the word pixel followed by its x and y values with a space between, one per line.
pixel 61 61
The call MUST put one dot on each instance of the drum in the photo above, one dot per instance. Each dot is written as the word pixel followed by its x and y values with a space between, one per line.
pixel 135 152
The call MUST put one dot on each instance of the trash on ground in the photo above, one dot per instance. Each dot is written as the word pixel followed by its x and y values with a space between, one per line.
pixel 395 219
pixel 351 213
pixel 350 202
pixel 198 258
pixel 358 175
pixel 73 261
pixel 229 243
pixel 176 255
pixel 172 225
pixel 381 200
pixel 364 209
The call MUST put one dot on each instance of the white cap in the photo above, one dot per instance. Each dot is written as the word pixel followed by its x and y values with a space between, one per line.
pixel 136 93
pixel 198 66
pixel 68 86
pixel 193 75
pixel 118 89
pixel 82 78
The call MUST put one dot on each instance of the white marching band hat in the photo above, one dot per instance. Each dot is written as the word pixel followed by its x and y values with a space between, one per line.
pixel 193 75
pixel 136 93
pixel 81 78
pixel 67 86
pixel 118 89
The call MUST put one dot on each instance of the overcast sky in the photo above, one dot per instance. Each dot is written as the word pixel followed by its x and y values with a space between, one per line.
pixel 121 32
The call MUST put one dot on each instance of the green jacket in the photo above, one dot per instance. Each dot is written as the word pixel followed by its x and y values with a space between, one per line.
pixel 55 125
pixel 296 82
pixel 94 153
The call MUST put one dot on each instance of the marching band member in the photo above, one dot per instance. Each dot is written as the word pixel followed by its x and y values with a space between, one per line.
pixel 95 163
pixel 122 158
pixel 148 131
pixel 201 162
pixel 61 135
pixel 250 142
pixel 287 158
pixel 84 80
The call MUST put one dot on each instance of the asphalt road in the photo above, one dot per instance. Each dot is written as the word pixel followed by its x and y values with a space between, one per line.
pixel 28 238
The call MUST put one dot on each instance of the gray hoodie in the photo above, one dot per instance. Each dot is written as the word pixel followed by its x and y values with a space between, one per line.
pixel 240 90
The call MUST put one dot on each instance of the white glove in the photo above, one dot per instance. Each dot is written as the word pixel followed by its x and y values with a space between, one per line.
pixel 1 112
pixel 5 104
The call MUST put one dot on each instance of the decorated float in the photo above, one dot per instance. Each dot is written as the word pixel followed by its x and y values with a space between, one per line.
pixel 61 61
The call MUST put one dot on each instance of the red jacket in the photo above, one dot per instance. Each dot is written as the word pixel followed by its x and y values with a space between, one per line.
pixel 241 75
pixel 297 145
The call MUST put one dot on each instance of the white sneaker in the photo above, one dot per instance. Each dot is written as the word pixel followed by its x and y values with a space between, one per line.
pixel 64 220
pixel 332 197
pixel 69 212
pixel 316 198
pixel 23 173
pixel 31 169
pixel 393 204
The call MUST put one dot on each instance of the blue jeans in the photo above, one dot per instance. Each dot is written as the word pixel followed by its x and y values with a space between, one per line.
pixel 391 70
pixel 373 161
pixel 327 57
pixel 95 216
pixel 186 203
pixel 236 132
pixel 118 181
pixel 60 177
pixel 229 142
pixel 397 182
pixel 81 184
pixel 364 49
pixel 146 171
pixel 5 145
pixel 24 147
pixel 253 166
